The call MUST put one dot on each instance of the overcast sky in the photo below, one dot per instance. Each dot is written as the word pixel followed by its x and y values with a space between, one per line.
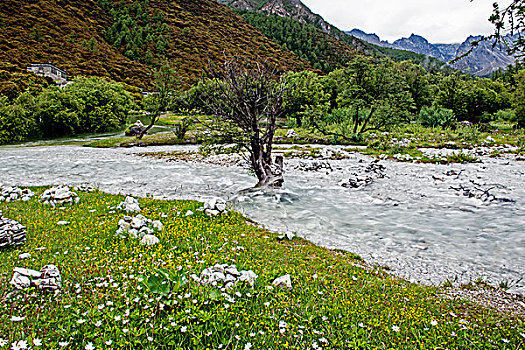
pixel 440 21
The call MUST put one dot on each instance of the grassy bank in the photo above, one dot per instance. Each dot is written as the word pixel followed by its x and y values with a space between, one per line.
pixel 337 302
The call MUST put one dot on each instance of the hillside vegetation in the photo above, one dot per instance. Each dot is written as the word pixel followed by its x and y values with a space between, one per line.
pixel 124 40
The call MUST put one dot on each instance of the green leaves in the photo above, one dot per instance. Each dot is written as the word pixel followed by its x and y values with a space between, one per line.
pixel 165 282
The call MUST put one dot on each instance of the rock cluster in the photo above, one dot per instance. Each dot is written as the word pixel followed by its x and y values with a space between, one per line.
pixel 139 227
pixel 12 233
pixel 215 206
pixel 129 205
pixel 225 276
pixel 84 188
pixel 9 194
pixel 316 165
pixel 373 171
pixel 59 195
pixel 47 278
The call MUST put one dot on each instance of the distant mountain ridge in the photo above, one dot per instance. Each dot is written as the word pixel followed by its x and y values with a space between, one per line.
pixel 482 61
pixel 296 10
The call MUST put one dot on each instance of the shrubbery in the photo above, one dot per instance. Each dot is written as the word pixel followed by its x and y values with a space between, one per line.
pixel 86 105
pixel 436 116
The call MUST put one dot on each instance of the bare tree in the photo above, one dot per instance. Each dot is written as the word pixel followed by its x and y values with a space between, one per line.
pixel 246 100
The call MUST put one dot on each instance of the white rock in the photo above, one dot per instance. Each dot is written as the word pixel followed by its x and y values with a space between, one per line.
pixel 157 225
pixel 27 272
pixel 63 223
pixel 189 213
pixel 283 282
pixel 20 281
pixel 137 223
pixel 24 256
pixel 248 276
pixel 129 205
pixel 149 240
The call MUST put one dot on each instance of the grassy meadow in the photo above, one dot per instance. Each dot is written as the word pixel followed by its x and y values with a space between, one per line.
pixel 337 301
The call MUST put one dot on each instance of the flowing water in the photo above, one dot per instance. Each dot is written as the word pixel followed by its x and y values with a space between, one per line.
pixel 417 219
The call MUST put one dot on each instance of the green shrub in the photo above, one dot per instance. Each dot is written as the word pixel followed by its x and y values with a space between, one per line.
pixel 436 116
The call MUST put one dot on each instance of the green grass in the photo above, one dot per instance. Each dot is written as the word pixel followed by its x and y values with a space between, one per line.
pixel 335 297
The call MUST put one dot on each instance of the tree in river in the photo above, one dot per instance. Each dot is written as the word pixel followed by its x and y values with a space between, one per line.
pixel 246 100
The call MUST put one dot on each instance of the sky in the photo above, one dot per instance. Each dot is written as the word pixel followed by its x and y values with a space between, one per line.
pixel 439 21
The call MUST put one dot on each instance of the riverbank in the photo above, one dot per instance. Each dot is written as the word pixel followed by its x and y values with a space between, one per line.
pixel 336 300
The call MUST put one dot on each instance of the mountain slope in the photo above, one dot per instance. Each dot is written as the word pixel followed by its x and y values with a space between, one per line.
pixel 103 38
pixel 323 51
pixel 296 10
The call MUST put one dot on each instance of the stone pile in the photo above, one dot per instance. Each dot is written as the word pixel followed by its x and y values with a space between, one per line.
pixel 59 195
pixel 215 206
pixel 130 205
pixel 372 172
pixel 84 188
pixel 139 227
pixel 12 233
pixel 47 278
pixel 224 276
pixel 9 194
pixel 315 165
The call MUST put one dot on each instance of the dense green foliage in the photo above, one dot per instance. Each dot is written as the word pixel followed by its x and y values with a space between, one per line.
pixel 337 301
pixel 305 40
pixel 86 105
pixel 142 34
pixel 375 94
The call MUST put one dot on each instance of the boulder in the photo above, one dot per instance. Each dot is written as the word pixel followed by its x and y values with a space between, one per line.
pixel 47 278
pixel 283 282
pixel 149 240
pixel 59 195
pixel 135 129
pixel 12 233
pixel 137 227
pixel 215 206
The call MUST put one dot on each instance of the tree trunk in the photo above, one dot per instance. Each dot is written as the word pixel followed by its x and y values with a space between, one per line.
pixel 268 173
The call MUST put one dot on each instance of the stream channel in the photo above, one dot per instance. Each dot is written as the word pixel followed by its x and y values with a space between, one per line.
pixel 413 219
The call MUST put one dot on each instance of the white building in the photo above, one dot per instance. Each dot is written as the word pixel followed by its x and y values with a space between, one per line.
pixel 50 71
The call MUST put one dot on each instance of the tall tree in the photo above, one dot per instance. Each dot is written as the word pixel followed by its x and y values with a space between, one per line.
pixel 166 83
pixel 510 19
